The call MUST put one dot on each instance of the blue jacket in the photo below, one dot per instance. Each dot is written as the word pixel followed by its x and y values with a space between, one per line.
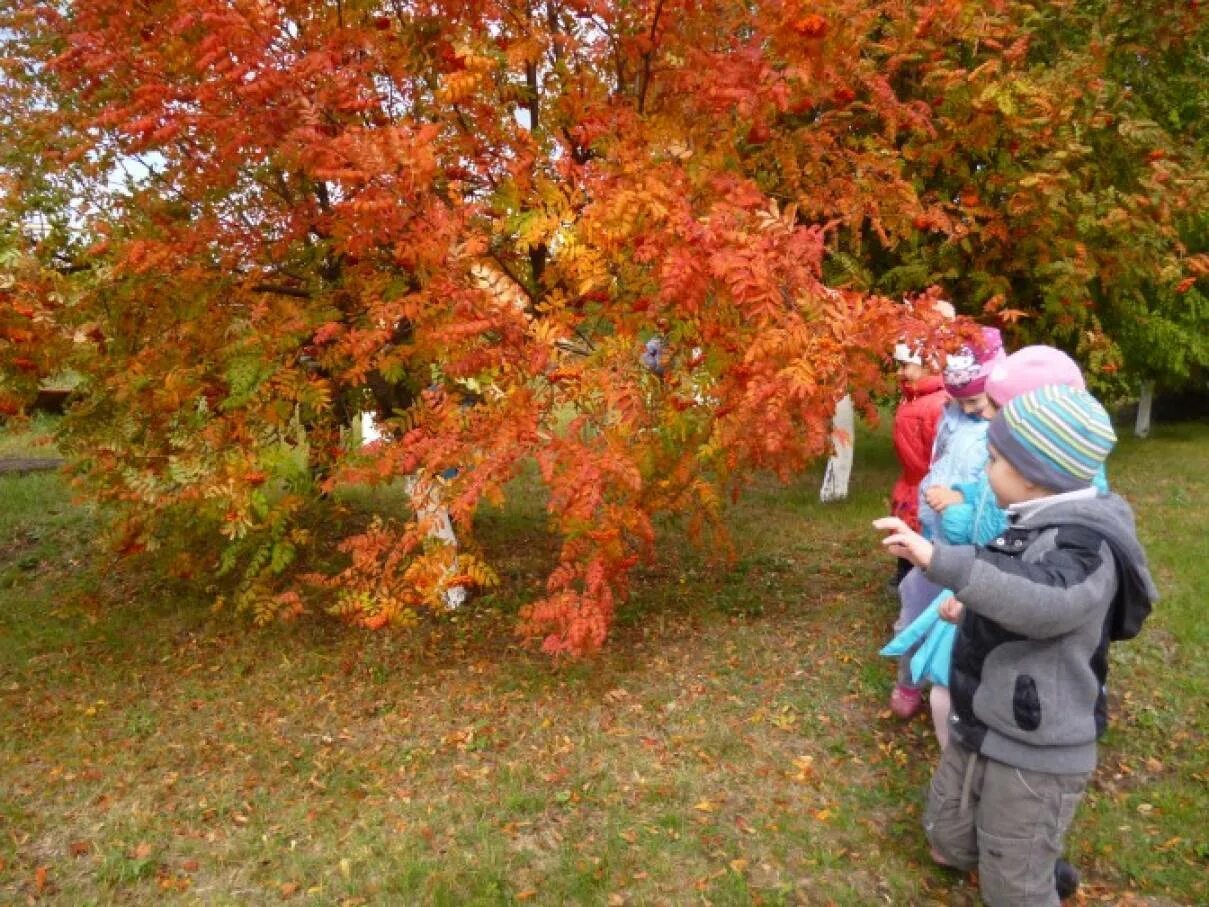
pixel 978 520
pixel 958 456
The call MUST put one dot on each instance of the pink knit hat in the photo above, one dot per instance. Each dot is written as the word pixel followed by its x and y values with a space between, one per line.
pixel 1030 368
pixel 966 372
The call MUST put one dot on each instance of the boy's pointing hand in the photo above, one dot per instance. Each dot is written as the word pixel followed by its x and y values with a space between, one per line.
pixel 904 542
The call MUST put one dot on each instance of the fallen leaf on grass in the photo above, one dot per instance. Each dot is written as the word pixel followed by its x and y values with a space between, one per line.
pixel 141 851
pixel 80 848
pixel 805 767
pixel 785 721
pixel 705 806
pixel 527 894
pixel 40 879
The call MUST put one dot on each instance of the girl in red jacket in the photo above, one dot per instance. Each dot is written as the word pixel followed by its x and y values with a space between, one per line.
pixel 915 421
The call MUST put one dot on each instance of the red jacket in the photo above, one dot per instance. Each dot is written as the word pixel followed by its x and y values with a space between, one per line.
pixel 915 423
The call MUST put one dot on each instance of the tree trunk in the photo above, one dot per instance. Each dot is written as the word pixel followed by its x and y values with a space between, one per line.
pixel 1141 427
pixel 839 467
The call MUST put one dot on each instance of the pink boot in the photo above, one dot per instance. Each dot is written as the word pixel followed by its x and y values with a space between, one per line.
pixel 905 702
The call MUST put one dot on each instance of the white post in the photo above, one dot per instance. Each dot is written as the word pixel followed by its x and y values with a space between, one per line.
pixel 1141 427
pixel 839 467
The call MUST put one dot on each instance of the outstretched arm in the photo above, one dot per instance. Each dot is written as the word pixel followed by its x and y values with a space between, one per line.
pixel 1039 599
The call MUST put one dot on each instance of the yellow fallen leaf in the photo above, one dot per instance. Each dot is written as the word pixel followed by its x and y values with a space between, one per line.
pixel 805 767
pixel 527 894
pixel 705 806
pixel 738 865
pixel 785 722
pixel 822 814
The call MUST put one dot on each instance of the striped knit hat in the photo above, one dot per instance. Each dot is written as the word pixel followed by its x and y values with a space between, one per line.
pixel 1056 436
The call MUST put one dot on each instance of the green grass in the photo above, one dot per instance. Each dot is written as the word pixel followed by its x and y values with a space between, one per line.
pixel 730 747
pixel 32 439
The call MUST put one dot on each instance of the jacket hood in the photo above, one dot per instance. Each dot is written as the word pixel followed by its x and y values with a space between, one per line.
pixel 928 384
pixel 1109 516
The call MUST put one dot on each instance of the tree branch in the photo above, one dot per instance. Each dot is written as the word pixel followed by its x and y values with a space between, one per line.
pixel 644 79
pixel 281 290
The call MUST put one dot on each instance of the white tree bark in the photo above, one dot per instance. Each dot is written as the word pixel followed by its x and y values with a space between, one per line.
pixel 430 509
pixel 1141 427
pixel 369 431
pixel 839 467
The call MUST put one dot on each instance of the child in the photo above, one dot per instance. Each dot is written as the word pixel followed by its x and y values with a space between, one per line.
pixel 1037 608
pixel 968 509
pixel 915 421
pixel 968 514
pixel 958 455
pixel 960 449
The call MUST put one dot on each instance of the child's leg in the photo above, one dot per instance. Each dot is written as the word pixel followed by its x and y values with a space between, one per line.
pixel 951 808
pixel 1023 817
pixel 939 700
pixel 915 593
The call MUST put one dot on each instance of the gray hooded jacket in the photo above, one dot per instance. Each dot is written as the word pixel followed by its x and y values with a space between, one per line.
pixel 1043 601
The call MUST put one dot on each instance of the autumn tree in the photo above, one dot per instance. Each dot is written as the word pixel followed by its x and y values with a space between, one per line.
pixel 1057 174
pixel 469 217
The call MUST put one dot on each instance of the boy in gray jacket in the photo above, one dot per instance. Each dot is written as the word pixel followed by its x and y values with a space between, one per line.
pixel 1036 610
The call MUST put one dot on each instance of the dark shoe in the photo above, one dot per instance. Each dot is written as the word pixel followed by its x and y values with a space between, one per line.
pixel 1066 879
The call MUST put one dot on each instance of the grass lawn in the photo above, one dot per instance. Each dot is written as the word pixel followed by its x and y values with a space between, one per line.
pixel 730 747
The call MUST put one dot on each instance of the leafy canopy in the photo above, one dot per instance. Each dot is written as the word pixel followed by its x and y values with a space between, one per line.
pixel 469 218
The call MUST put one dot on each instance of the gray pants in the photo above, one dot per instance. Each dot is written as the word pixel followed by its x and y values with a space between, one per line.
pixel 1008 823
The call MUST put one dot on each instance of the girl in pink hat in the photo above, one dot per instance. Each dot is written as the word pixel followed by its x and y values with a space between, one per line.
pixel 958 454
